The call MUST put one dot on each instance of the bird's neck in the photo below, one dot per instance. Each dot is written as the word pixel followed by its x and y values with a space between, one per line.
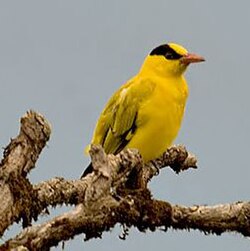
pixel 165 77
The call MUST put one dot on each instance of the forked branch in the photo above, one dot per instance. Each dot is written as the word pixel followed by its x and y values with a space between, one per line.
pixel 115 192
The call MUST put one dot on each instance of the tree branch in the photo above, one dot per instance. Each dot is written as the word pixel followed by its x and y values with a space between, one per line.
pixel 115 192
pixel 19 158
pixel 216 219
pixel 137 209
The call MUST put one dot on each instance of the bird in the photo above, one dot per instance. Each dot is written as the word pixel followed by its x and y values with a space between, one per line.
pixel 146 112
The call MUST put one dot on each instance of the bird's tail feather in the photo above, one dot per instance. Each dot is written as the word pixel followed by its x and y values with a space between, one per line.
pixel 88 170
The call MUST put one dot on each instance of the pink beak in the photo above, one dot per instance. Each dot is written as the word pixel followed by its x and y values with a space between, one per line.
pixel 192 58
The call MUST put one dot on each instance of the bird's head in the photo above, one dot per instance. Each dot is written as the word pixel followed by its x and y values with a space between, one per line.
pixel 169 60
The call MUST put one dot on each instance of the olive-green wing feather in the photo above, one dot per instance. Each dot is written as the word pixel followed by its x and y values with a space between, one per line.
pixel 118 121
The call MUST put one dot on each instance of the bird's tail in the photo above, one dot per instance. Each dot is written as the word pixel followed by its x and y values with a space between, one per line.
pixel 88 170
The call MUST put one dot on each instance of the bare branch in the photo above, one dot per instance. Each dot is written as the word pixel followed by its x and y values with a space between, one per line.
pixel 115 192
pixel 216 219
pixel 20 155
pixel 177 158
pixel 137 209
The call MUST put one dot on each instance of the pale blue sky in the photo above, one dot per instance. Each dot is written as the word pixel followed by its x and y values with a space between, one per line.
pixel 65 58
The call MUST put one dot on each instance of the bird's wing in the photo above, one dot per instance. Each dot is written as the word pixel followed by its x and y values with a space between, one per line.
pixel 118 121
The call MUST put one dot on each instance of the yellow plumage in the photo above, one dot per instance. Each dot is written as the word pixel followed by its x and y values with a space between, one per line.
pixel 146 112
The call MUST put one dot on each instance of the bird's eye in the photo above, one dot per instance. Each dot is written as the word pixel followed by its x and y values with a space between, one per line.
pixel 169 55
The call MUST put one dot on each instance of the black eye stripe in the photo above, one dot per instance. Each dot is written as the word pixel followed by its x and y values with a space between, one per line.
pixel 166 51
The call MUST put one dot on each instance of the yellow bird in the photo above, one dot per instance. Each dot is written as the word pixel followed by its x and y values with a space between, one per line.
pixel 146 112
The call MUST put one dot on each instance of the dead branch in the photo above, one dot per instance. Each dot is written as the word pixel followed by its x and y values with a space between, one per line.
pixel 216 219
pixel 19 158
pixel 139 210
pixel 115 192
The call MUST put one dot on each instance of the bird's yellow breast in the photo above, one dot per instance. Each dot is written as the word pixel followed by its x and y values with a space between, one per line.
pixel 146 112
pixel 159 118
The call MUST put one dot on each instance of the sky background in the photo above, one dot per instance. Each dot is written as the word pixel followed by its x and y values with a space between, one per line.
pixel 65 59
